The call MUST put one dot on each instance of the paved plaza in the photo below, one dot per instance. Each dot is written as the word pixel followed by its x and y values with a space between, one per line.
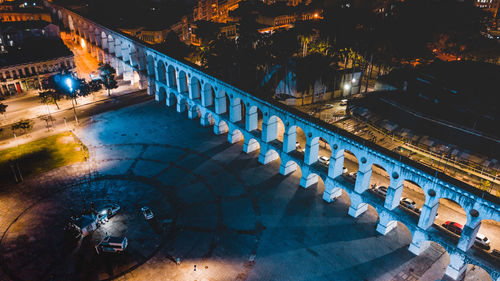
pixel 224 215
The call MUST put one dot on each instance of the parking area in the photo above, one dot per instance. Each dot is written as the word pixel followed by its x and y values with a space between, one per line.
pixel 231 218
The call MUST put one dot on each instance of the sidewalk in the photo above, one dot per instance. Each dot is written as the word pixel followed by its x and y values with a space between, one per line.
pixel 64 119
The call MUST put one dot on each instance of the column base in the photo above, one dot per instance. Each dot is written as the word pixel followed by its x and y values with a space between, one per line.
pixel 384 229
pixel 288 168
pixel 357 211
pixel 306 182
pixel 332 195
pixel 457 267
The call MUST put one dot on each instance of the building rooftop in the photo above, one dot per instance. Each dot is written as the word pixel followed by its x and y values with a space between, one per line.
pixel 32 24
pixel 35 49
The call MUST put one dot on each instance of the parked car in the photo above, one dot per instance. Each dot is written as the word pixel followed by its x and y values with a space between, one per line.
pixel 453 227
pixel 148 214
pixel 343 102
pixel 324 160
pixel 409 204
pixel 496 254
pixel 380 190
pixel 328 105
pixel 110 210
pixel 344 170
pixel 482 241
pixel 350 177
pixel 111 244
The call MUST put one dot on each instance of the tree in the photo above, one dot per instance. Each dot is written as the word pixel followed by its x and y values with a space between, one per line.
pixel 49 96
pixel 3 108
pixel 24 126
pixel 107 73
pixel 174 47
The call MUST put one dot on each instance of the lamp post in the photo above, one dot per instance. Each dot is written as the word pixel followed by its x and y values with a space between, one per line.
pixel 69 83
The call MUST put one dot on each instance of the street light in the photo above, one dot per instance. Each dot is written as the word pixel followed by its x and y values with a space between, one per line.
pixel 347 86
pixel 69 83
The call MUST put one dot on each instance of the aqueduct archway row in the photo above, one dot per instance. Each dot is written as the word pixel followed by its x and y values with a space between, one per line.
pixel 275 131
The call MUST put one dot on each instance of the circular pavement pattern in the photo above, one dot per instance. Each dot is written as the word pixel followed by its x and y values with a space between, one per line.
pixel 187 202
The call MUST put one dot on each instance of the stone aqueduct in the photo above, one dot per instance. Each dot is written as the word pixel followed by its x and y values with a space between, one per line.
pixel 232 111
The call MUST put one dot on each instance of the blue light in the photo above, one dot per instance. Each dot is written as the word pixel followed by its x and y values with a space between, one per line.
pixel 69 83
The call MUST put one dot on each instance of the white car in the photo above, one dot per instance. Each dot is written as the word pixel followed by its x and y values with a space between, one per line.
pixel 408 203
pixel 343 102
pixel 380 190
pixel 324 160
pixel 344 170
pixel 482 241
pixel 107 212
pixel 148 214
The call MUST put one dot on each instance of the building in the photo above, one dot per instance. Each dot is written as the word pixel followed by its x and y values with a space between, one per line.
pixel 23 68
pixel 491 6
pixel 14 33
pixel 149 35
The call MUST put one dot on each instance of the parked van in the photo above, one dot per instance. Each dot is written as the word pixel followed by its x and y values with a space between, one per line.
pixel 111 244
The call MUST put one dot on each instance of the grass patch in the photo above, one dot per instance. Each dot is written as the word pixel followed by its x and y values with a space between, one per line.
pixel 42 155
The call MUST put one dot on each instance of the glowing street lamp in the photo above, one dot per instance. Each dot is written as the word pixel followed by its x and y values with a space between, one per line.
pixel 69 83
pixel 347 86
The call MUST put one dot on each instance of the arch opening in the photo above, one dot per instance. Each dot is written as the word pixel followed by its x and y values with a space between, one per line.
pixel 221 127
pixel 172 77
pixel 195 89
pixel 161 96
pixel 487 236
pixel 298 140
pixel 379 181
pixel 161 71
pixel 275 129
pixel 208 97
pixel 412 197
pixel 183 83
pixel 451 217
pixel 238 111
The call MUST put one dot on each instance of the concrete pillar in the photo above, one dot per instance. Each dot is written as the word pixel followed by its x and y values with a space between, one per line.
pixel 235 136
pixel 252 119
pixel 118 48
pixel 289 140
pixel 311 153
pixel 128 73
pixel 151 85
pixel 104 42
pixel 457 265
pixel 268 156
pixel 331 192
pixel 469 234
pixel 357 205
pixel 336 165
pixel 204 120
pixel 171 99
pixel 220 104
pixel 119 69
pixel 287 167
pixel 134 59
pixel 308 178
pixel 363 178
pixel 143 81
pixel 418 240
pixel 181 105
pixel 394 193
pixel 386 222
pixel 264 135
pixel 235 113
pixel 125 53
pixel 251 145
pixel 220 128
pixel 270 129
pixel 428 212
